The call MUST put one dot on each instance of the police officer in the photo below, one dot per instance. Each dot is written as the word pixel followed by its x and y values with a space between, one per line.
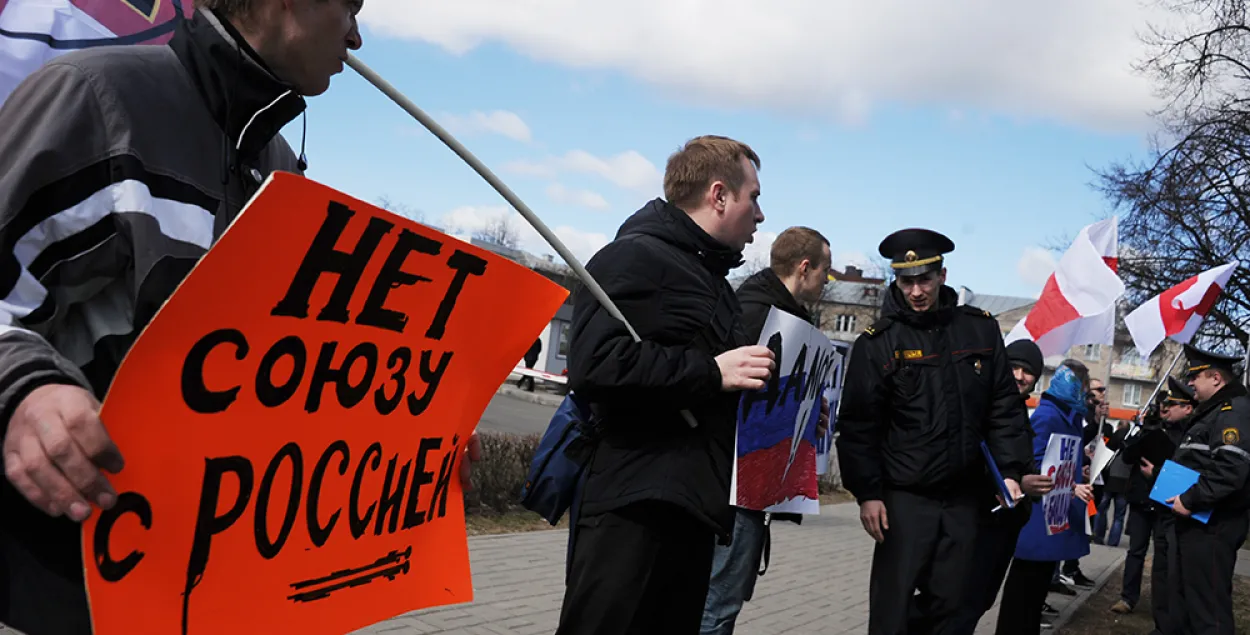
pixel 1145 449
pixel 1217 446
pixel 926 384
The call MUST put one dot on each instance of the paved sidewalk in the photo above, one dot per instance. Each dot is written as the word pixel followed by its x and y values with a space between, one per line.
pixel 817 582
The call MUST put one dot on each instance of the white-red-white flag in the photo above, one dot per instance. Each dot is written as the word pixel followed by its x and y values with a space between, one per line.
pixel 1177 312
pixel 35 31
pixel 1077 305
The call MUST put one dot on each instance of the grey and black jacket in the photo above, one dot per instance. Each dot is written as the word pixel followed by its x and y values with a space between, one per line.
pixel 119 167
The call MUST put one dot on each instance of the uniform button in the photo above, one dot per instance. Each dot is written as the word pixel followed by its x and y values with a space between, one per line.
pixel 256 175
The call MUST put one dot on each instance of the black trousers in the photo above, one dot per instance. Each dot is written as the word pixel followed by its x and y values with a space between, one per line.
pixel 1024 593
pixel 641 569
pixel 929 548
pixel 995 546
pixel 1207 555
pixel 1141 524
pixel 1164 571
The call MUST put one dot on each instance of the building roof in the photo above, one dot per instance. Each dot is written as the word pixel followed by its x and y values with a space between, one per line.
pixel 995 304
pixel 846 292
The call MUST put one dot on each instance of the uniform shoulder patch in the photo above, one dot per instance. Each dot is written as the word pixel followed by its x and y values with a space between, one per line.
pixel 972 310
pixel 878 327
pixel 1231 436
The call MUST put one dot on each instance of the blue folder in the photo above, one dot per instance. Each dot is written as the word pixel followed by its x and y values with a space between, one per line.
pixel 1175 479
pixel 997 476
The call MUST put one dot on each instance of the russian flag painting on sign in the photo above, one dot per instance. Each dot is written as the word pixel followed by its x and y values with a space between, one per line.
pixel 776 446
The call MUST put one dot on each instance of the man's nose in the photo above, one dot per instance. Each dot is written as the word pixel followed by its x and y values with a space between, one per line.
pixel 354 41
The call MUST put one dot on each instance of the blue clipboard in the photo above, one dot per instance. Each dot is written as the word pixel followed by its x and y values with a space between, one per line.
pixel 1175 479
pixel 998 477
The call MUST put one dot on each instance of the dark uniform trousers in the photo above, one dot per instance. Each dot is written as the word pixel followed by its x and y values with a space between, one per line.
pixel 997 533
pixel 929 547
pixel 642 569
pixel 1206 555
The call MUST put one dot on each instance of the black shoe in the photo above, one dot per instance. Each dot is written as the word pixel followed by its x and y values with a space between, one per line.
pixel 1061 589
pixel 1079 579
pixel 1047 609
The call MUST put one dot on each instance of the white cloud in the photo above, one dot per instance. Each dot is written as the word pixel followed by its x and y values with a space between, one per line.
pixel 1065 59
pixel 462 222
pixel 1035 266
pixel 629 169
pixel 582 198
pixel 756 253
pixel 500 122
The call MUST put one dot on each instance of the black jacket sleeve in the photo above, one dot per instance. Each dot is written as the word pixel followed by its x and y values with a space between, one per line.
pixel 607 366
pixel 1230 463
pixel 1007 434
pixel 862 419
pixel 50 126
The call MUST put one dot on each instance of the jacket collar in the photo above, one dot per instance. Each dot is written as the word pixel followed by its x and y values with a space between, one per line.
pixel 765 287
pixel 1223 396
pixel 895 307
pixel 244 97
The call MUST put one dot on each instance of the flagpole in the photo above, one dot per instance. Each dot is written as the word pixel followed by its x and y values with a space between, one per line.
pixel 411 108
pixel 1159 386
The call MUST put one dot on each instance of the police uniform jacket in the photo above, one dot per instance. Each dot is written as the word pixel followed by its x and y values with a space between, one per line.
pixel 923 390
pixel 1217 446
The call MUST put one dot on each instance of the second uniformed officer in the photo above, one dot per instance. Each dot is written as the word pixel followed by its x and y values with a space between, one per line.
pixel 926 384
pixel 1217 446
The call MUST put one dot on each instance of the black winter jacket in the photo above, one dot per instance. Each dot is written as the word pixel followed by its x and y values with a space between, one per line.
pixel 758 295
pixel 667 276
pixel 1155 442
pixel 1217 446
pixel 922 391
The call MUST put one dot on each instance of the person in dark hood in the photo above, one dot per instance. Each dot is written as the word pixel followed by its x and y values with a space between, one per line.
pixel 1217 447
pixel 795 278
pixel 926 384
pixel 120 166
pixel 656 495
pixel 1143 449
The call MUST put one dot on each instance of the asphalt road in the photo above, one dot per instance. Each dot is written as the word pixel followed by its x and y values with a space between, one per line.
pixel 515 416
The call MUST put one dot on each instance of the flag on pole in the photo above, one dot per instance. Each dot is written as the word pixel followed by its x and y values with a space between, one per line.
pixel 1077 305
pixel 1177 312
pixel 35 31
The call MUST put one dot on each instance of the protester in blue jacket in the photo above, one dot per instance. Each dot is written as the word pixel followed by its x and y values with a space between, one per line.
pixel 1060 411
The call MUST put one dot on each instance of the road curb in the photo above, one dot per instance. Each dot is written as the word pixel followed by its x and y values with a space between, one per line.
pixel 540 398
pixel 1068 611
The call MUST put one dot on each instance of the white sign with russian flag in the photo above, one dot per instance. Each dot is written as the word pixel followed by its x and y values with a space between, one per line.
pixel 1178 312
pixel 1077 305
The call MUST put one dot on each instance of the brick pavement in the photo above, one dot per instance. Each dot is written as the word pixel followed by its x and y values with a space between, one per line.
pixel 817 582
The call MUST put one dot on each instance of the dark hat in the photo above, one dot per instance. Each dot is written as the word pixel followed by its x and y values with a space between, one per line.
pixel 1026 354
pixel 1180 393
pixel 1200 360
pixel 915 251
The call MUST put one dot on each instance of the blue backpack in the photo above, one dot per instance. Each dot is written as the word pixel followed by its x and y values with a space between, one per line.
pixel 554 482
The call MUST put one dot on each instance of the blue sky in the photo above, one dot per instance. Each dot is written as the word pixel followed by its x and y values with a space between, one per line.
pixel 580 126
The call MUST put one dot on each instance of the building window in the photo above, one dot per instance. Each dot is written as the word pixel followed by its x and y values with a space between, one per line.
pixel 563 351
pixel 844 324
pixel 1093 352
pixel 1132 395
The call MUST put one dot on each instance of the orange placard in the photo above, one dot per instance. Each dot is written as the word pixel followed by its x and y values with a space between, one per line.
pixel 293 419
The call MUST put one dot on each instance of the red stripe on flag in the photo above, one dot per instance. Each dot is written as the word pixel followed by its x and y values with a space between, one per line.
pixel 1174 319
pixel 1112 262
pixel 1051 311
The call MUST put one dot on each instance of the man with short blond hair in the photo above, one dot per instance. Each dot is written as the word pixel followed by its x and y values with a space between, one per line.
pixel 656 494
pixel 702 160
